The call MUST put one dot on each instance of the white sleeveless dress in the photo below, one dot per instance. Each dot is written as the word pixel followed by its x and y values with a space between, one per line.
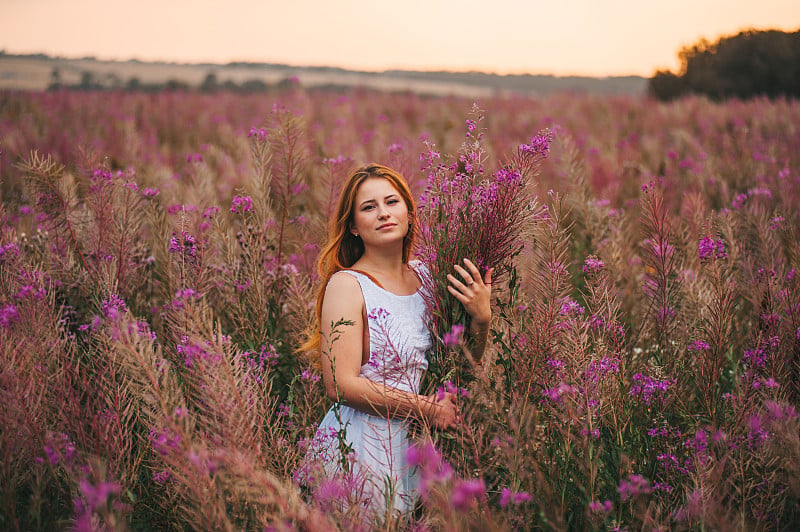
pixel 398 339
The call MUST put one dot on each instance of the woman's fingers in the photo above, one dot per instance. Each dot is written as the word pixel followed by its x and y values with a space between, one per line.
pixel 469 280
pixel 462 285
pixel 458 294
pixel 471 274
pixel 472 290
pixel 474 273
pixel 471 284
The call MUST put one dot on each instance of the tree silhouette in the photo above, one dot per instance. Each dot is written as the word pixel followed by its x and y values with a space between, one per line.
pixel 749 64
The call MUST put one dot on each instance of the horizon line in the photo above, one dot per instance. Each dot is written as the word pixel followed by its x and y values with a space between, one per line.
pixel 432 70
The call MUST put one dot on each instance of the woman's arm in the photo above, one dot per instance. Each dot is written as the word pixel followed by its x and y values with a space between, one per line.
pixel 342 330
pixel 475 293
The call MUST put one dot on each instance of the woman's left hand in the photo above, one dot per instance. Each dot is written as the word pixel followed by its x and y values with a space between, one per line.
pixel 473 292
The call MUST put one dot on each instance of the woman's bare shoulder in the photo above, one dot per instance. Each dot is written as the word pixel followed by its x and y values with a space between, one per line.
pixel 342 280
pixel 343 293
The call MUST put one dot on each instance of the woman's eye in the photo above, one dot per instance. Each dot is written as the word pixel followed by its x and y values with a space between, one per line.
pixel 367 208
pixel 392 201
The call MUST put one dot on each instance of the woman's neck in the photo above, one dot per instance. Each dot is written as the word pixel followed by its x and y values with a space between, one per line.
pixel 384 264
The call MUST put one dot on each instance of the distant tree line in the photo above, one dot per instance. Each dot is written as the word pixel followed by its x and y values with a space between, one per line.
pixel 90 81
pixel 750 64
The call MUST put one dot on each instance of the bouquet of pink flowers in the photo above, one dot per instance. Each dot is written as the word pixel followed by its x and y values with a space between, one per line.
pixel 468 212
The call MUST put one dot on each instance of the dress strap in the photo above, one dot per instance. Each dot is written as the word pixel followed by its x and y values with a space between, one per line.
pixel 365 274
pixel 414 265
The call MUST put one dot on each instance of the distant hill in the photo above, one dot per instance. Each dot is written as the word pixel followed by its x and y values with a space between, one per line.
pixel 39 71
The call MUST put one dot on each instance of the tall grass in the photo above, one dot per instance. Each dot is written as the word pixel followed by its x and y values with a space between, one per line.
pixel 157 275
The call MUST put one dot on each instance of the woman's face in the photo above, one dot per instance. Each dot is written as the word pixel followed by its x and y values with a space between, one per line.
pixel 380 214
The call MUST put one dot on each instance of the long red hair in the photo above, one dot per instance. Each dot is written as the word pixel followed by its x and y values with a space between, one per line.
pixel 343 248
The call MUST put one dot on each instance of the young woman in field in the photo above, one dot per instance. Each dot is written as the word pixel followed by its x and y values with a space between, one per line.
pixel 373 337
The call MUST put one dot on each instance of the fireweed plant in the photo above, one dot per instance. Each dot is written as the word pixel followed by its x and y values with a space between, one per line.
pixel 156 274
pixel 466 211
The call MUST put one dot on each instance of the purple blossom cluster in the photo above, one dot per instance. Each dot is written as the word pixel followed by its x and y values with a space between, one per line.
pixel 193 353
pixel 185 245
pixel 435 471
pixel 101 178
pixel 592 265
pixel 664 431
pixel 740 199
pixel 471 126
pixel 8 251
pixel 259 361
pixel 570 307
pixel 670 462
pixel 634 486
pixel 710 248
pixel 595 322
pixel 755 358
pixel 309 375
pixel 97 495
pixel 339 160
pixel 162 476
pixel 647 389
pixel 258 133
pixel 661 249
pixel 58 448
pixel 507 177
pixel 777 222
pixel 780 412
pixel 331 491
pixel 757 433
pixel 465 492
pixel 555 393
pixel 454 336
pixel 210 212
pixel 165 441
pixel 699 345
pixel 113 308
pixel 768 383
pixel 665 314
pixel 763 274
pixel 601 507
pixel 8 315
pixel 29 291
pixel 241 204
pixel 515 498
pixel 538 146
pixel 597 370
pixel 594 433
pixel 184 296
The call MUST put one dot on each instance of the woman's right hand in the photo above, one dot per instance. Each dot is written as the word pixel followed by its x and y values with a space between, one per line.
pixel 444 411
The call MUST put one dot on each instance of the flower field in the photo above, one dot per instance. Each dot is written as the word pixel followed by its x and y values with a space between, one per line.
pixel 157 277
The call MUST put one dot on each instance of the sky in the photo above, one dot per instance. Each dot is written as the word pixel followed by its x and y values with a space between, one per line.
pixel 561 37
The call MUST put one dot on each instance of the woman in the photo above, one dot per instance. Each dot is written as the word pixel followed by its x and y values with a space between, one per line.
pixel 373 336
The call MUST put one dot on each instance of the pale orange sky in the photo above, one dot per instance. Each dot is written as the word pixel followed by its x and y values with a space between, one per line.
pixel 589 37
